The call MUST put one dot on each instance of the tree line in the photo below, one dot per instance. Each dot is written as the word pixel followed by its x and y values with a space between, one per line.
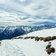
pixel 45 39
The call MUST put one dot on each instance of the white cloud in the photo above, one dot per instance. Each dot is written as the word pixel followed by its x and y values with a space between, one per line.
pixel 2 1
pixel 36 7
pixel 42 8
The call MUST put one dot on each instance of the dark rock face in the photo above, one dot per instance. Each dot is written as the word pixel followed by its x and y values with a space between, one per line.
pixel 9 33
pixel 50 49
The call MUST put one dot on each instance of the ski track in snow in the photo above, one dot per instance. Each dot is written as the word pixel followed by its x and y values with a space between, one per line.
pixel 20 47
pixel 7 49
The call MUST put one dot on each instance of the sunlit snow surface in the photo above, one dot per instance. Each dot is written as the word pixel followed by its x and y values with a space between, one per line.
pixel 28 47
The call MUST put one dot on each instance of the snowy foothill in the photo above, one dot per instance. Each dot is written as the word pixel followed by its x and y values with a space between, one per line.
pixel 42 33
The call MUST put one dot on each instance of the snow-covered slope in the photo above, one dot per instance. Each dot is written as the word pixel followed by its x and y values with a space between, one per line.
pixel 20 47
pixel 43 33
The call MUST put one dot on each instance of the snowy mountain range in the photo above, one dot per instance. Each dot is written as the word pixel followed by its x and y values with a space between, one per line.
pixel 8 32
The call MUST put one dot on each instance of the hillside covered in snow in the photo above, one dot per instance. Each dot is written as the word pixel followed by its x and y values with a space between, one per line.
pixel 8 32
pixel 25 48
pixel 42 33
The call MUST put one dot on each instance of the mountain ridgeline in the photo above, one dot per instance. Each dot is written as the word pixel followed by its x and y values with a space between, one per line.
pixel 8 32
